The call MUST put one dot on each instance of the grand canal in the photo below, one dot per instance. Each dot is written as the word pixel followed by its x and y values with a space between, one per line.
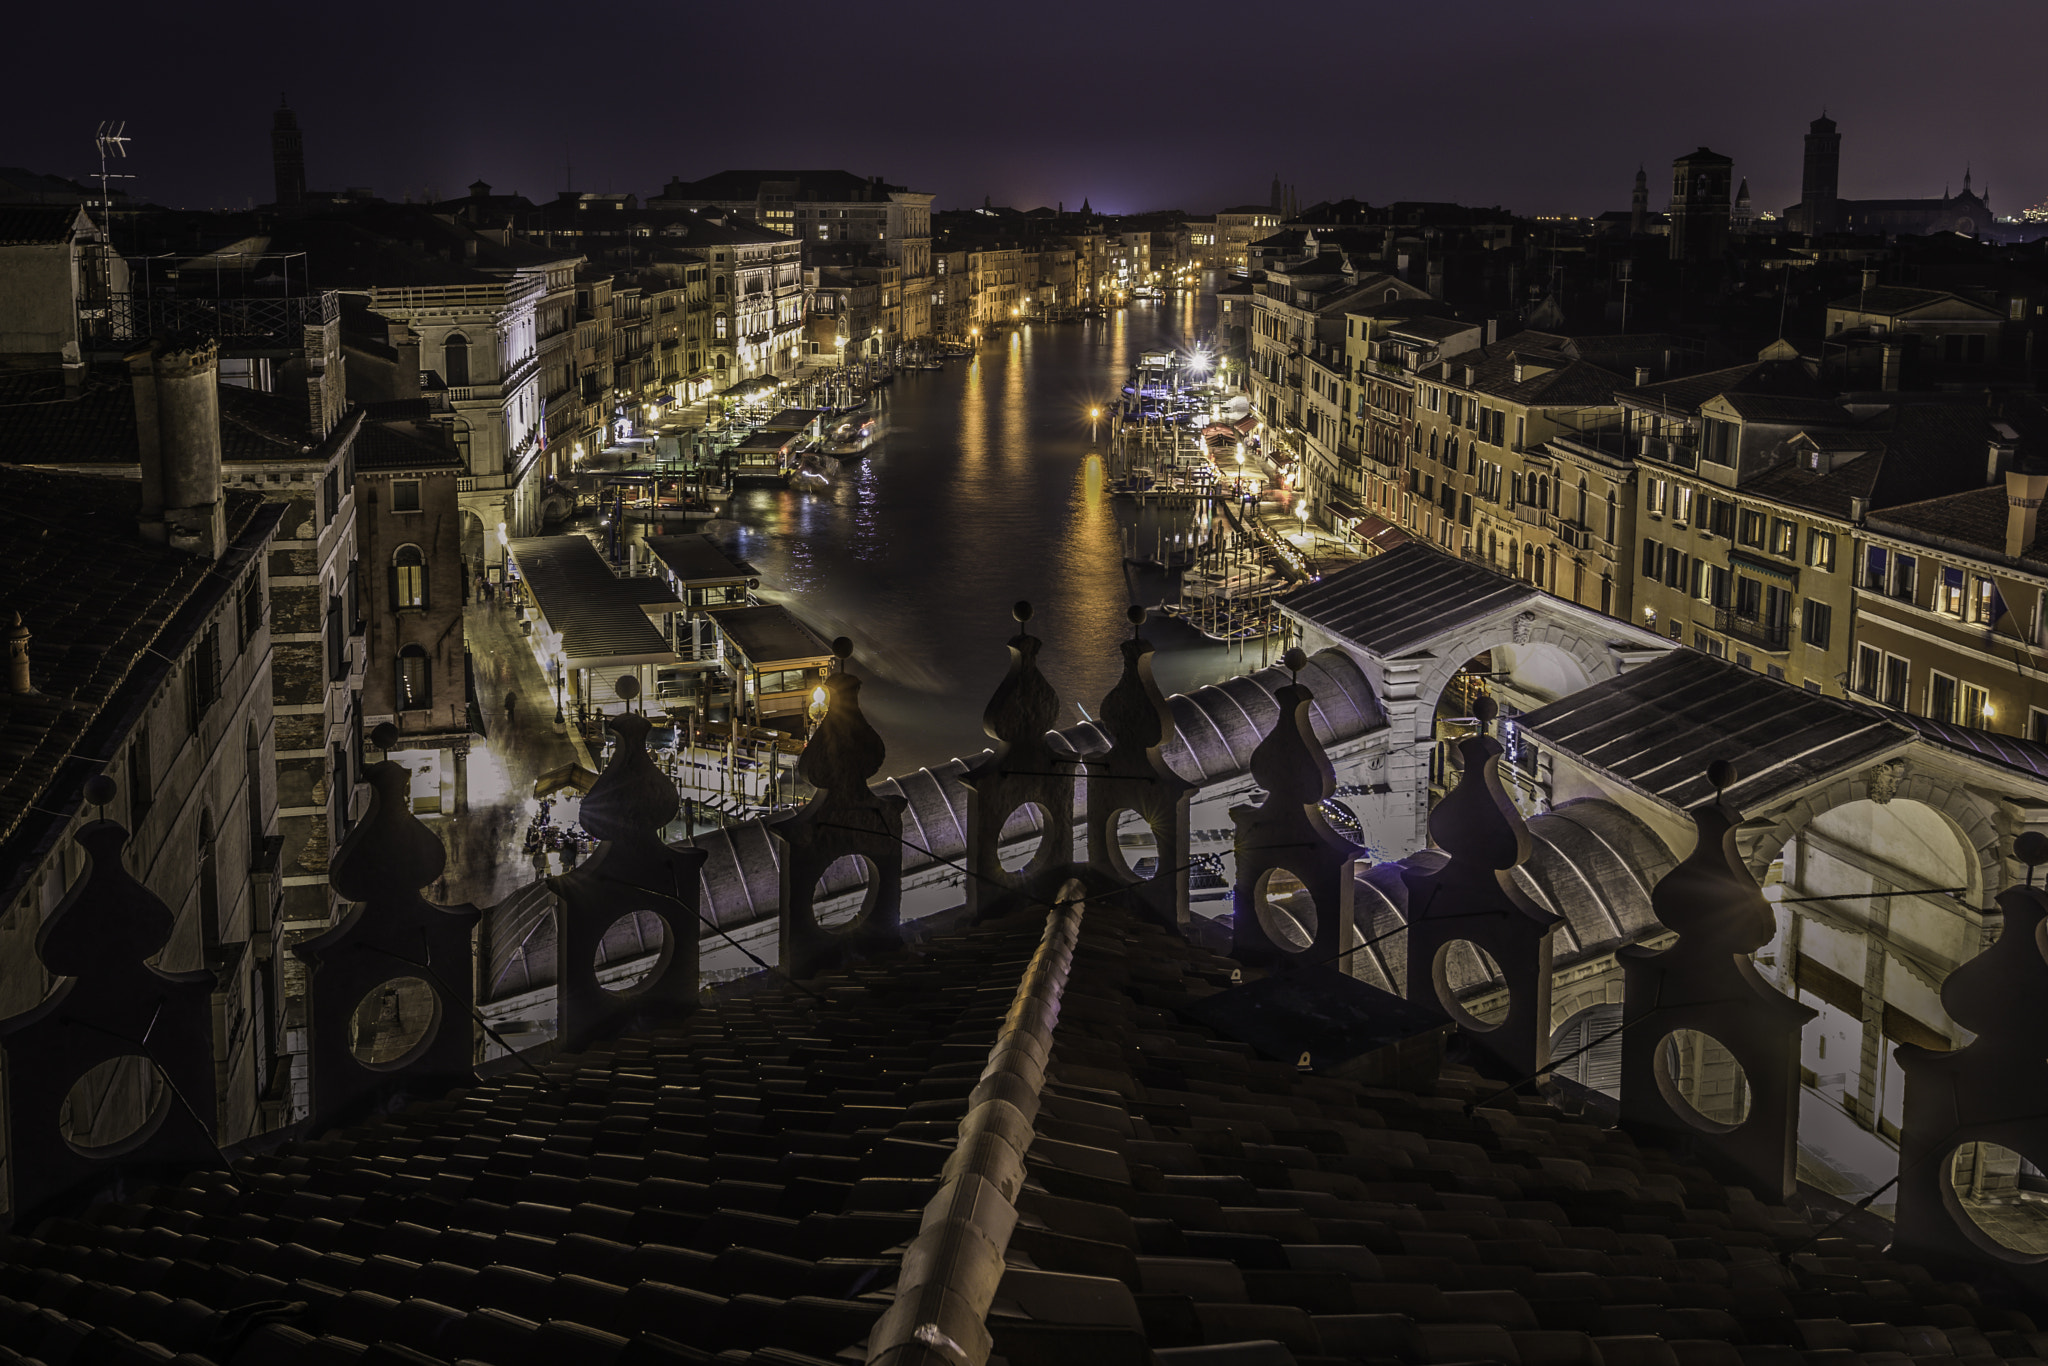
pixel 983 493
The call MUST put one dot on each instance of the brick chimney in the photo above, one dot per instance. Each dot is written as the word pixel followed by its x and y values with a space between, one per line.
pixel 177 432
pixel 2023 494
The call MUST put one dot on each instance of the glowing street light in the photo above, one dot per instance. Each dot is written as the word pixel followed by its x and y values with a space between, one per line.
pixel 1094 416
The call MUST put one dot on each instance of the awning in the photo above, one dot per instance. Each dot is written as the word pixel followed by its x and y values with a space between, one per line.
pixel 1763 569
pixel 571 774
pixel 1379 533
pixel 602 620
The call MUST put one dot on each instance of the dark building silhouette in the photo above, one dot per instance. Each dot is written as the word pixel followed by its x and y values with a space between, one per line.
pixel 287 156
pixel 1821 209
pixel 1818 209
pixel 1699 205
pixel 1639 205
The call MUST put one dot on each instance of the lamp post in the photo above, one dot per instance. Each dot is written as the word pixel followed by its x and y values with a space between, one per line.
pixel 1094 416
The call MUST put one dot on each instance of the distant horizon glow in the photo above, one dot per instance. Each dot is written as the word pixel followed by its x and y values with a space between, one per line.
pixel 1549 114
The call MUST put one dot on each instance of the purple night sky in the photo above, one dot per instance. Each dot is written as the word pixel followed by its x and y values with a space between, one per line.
pixel 1539 108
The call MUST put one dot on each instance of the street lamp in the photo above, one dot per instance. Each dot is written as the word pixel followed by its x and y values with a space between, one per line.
pixel 1094 416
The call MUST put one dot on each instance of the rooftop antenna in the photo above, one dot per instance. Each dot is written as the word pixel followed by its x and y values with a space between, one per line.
pixel 112 141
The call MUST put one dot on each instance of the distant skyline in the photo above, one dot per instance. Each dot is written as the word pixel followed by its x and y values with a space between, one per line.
pixel 1542 110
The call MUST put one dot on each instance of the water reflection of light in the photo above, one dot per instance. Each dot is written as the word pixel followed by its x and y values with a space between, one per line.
pixel 1091 480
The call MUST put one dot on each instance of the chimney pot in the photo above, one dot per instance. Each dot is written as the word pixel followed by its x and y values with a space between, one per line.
pixel 18 680
pixel 177 432
pixel 1642 375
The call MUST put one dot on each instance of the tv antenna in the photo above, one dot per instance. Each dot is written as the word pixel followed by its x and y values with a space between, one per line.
pixel 112 141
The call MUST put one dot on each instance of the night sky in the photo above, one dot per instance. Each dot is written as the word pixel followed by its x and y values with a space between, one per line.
pixel 1542 108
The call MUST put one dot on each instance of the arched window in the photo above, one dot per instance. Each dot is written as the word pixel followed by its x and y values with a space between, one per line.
pixel 1582 502
pixel 718 326
pixel 718 286
pixel 415 680
pixel 455 359
pixel 1451 451
pixel 1610 516
pixel 1432 445
pixel 409 578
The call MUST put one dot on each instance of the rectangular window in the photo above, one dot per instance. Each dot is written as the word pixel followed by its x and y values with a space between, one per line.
pixel 1681 503
pixel 1674 570
pixel 1869 670
pixel 1815 622
pixel 1653 560
pixel 1986 606
pixel 249 615
pixel 1749 598
pixel 1749 528
pixel 1820 549
pixel 1721 518
pixel 202 678
pixel 1949 593
pixel 1976 707
pixel 1941 698
pixel 1656 492
pixel 2037 725
pixel 330 501
pixel 1904 574
pixel 141 788
pixel 405 495
pixel 1897 676
pixel 1784 538
pixel 1717 585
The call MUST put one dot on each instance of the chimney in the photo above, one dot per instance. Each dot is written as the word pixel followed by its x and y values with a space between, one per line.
pixel 2023 494
pixel 1894 356
pixel 1518 369
pixel 1870 277
pixel 1492 330
pixel 177 437
pixel 1471 373
pixel 1859 508
pixel 18 681
pixel 1642 375
pixel 1998 459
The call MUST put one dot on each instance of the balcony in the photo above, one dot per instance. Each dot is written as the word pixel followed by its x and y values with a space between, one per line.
pixel 1774 636
pixel 1530 514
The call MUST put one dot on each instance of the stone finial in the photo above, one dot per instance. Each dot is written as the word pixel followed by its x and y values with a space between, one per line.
pixel 845 751
pixel 845 819
pixel 1711 896
pixel 632 798
pixel 1476 822
pixel 108 1003
pixel 1134 776
pixel 1024 706
pixel 1286 839
pixel 1992 1090
pixel 389 852
pixel 632 874
pixel 392 933
pixel 1474 899
pixel 1704 982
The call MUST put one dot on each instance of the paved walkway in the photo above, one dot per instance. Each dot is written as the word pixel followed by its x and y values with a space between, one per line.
pixel 486 862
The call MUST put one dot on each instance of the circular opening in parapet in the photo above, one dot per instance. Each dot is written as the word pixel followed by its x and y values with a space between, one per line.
pixel 394 1023
pixel 1470 986
pixel 1134 845
pixel 1287 911
pixel 1999 1199
pixel 846 892
pixel 633 952
pixel 1023 837
pixel 114 1107
pixel 1702 1081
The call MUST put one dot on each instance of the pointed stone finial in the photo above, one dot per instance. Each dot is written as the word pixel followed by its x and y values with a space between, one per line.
pixel 632 798
pixel 1290 762
pixel 109 918
pixel 845 750
pixel 1711 897
pixel 1134 776
pixel 1477 823
pixel 390 853
pixel 1024 706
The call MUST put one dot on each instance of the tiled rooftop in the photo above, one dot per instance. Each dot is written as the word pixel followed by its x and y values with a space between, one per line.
pixel 98 602
pixel 740 1186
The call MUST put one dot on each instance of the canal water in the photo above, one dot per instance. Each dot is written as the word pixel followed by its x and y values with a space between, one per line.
pixel 983 493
